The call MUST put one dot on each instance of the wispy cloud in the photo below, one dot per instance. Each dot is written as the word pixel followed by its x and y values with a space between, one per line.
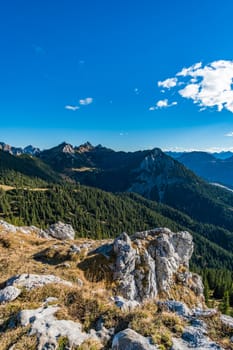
pixel 162 104
pixel 82 102
pixel 72 108
pixel 86 101
pixel 207 86
pixel 168 83
pixel 229 134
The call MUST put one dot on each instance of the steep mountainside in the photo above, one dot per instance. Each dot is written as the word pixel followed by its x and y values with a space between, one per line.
pixel 25 169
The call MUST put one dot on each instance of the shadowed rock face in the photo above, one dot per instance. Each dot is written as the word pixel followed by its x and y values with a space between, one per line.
pixel 149 262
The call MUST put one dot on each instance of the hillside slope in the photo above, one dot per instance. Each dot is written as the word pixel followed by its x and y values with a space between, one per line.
pixel 25 169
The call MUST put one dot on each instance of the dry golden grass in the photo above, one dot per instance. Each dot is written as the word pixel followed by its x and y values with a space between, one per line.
pixel 19 338
pixel 23 253
pixel 7 188
pixel 218 332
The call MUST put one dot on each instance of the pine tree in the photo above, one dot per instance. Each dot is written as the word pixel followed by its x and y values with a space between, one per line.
pixel 225 304
pixel 206 290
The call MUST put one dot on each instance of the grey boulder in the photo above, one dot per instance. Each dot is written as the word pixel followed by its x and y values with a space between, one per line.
pixel 131 340
pixel 194 337
pixel 227 321
pixel 9 293
pixel 61 231
pixel 178 307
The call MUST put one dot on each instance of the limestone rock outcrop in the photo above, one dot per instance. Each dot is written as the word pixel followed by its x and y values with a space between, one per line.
pixel 5 227
pixel 151 262
pixel 48 328
pixel 195 337
pixel 31 281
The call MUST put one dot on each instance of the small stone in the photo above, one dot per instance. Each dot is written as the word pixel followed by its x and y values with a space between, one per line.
pixel 124 304
pixel 9 293
pixel 50 300
pixel 178 307
pixel 131 340
pixel 65 265
pixel 79 282
pixel 75 249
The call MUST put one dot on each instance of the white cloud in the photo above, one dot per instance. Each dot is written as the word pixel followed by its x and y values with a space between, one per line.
pixel 168 83
pixel 229 134
pixel 190 91
pixel 162 104
pixel 186 71
pixel 86 101
pixel 208 86
pixel 72 108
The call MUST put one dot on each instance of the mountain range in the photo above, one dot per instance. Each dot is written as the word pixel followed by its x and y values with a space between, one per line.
pixel 82 162
pixel 210 167
pixel 126 190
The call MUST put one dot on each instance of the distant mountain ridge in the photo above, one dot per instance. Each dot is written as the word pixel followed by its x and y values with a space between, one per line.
pixel 218 155
pixel 17 151
pixel 210 168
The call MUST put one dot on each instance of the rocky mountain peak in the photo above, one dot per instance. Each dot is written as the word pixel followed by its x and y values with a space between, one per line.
pixel 68 149
pixel 85 147
pixel 31 150
pixel 17 151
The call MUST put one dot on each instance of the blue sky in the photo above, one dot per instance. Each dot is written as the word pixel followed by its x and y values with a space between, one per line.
pixel 89 70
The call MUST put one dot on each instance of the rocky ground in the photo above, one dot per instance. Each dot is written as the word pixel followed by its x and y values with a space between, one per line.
pixel 131 293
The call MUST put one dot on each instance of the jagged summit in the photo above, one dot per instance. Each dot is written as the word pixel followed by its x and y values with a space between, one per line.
pixel 17 151
pixel 85 147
